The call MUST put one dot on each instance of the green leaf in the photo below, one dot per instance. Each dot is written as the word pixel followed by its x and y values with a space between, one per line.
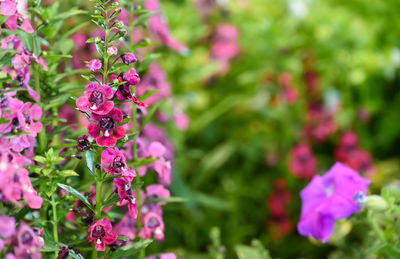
pixel 142 19
pixel 90 157
pixel 65 15
pixel 144 161
pixel 39 159
pixel 114 198
pixel 68 173
pixel 131 249
pixel 137 186
pixel 147 61
pixel 168 200
pixel 245 252
pixel 77 194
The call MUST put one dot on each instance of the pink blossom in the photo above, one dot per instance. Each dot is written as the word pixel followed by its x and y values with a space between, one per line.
pixel 7 226
pixel 152 225
pixel 28 243
pixel 112 51
pixel 154 80
pixel 158 28
pixel 101 233
pixel 94 99
pixel 157 191
pixel 126 227
pixel 124 91
pixel 131 76
pixel 302 163
pixel 107 124
pixel 113 161
pixel 125 193
pixel 8 7
pixel 181 120
pixel 94 65
pixel 128 58
pixel 225 44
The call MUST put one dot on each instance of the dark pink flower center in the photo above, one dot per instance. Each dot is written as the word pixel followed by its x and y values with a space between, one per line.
pixel 96 98
pixel 15 124
pixel 3 101
pixel 153 222
pixel 26 238
pixel 106 124
pixel 98 232
pixel 118 163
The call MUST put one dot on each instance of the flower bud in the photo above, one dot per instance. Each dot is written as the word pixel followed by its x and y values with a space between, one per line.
pixel 376 202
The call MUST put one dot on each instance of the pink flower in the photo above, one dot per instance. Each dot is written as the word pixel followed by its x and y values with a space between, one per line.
pixel 128 58
pixel 125 193
pixel 225 44
pixel 320 122
pixel 124 92
pixel 8 7
pixel 7 226
pixel 181 120
pixel 107 124
pixel 126 227
pixel 152 225
pixel 113 161
pixel 157 191
pixel 161 166
pixel 302 163
pixel 131 76
pixel 94 65
pixel 158 28
pixel 94 99
pixel 28 243
pixel 112 51
pixel 101 233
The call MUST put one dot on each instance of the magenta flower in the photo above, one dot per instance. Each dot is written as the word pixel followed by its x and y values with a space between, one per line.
pixel 157 191
pixel 225 45
pixel 107 124
pixel 113 161
pixel 94 65
pixel 131 76
pixel 94 99
pixel 128 58
pixel 152 225
pixel 126 227
pixel 125 193
pixel 302 162
pixel 328 198
pixel 161 165
pixel 163 256
pixel 101 233
pixel 9 8
pixel 28 243
pixel 181 120
pixel 124 92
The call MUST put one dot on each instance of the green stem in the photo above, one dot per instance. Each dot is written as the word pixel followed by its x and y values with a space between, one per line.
pixel 378 231
pixel 98 195
pixel 55 228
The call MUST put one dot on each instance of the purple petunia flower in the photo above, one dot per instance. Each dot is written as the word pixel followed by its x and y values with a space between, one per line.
pixel 328 198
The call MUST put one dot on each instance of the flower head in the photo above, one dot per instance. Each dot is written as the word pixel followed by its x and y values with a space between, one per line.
pixel 328 198
pixel 101 233
pixel 152 225
pixel 94 65
pixel 131 76
pixel 128 58
pixel 113 161
pixel 94 99
pixel 106 124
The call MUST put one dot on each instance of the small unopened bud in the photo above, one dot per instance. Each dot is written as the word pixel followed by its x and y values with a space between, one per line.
pixel 97 40
pixel 120 25
pixel 376 202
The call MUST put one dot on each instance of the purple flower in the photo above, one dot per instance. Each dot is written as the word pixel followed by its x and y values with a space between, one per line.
pixel 101 234
pixel 329 198
pixel 94 65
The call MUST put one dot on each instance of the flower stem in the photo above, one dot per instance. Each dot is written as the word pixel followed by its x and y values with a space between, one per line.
pixel 137 178
pixel 378 231
pixel 98 195
pixel 55 228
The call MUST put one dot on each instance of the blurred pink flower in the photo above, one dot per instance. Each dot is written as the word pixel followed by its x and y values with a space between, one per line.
pixel 302 163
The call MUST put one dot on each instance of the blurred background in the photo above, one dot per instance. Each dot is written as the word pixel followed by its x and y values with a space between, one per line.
pixel 311 82
pixel 267 94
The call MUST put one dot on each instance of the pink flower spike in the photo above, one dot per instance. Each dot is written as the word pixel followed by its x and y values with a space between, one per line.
pixel 101 233
pixel 94 65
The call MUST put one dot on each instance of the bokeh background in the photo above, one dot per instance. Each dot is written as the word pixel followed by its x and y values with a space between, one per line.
pixel 322 75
